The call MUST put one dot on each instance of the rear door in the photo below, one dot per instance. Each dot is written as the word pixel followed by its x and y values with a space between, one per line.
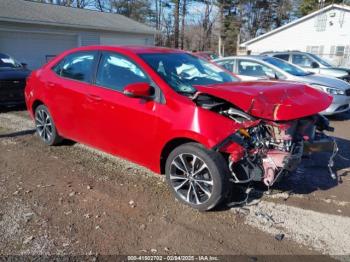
pixel 67 91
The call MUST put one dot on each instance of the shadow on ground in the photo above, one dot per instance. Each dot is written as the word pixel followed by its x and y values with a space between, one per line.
pixel 340 117
pixel 19 133
pixel 6 109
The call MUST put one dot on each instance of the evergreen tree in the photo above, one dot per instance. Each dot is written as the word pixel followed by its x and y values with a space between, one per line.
pixel 309 6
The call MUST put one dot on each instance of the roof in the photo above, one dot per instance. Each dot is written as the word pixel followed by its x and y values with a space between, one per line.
pixel 251 57
pixel 149 49
pixel 127 49
pixel 54 15
pixel 297 21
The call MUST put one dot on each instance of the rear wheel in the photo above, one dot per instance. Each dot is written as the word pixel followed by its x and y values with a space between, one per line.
pixel 45 127
pixel 198 177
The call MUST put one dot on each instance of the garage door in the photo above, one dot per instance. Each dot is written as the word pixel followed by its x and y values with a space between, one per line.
pixel 35 48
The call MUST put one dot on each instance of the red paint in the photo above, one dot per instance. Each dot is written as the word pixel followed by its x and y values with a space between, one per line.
pixel 138 90
pixel 139 129
pixel 272 100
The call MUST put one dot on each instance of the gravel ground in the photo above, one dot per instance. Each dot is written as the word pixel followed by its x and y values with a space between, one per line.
pixel 73 199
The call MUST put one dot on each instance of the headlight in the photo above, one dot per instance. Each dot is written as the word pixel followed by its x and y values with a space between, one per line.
pixel 329 90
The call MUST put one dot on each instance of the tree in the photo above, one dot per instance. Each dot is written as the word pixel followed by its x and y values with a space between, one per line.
pixel 176 22
pixel 69 3
pixel 183 19
pixel 309 6
pixel 139 10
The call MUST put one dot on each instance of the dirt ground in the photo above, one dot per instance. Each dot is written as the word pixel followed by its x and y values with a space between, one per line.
pixel 73 200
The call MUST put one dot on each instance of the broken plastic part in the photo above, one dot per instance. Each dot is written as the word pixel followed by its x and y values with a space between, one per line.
pixel 331 160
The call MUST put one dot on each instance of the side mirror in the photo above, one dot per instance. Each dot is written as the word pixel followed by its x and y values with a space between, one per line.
pixel 271 75
pixel 315 65
pixel 139 90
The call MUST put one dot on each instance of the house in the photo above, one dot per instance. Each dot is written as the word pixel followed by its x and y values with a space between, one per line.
pixel 325 32
pixel 34 32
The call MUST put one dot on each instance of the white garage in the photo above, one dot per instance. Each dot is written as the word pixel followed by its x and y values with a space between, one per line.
pixel 33 32
pixel 35 48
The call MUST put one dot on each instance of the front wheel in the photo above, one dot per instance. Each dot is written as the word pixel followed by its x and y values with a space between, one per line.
pixel 45 127
pixel 198 177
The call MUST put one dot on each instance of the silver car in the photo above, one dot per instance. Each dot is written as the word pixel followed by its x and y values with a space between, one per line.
pixel 250 68
pixel 312 63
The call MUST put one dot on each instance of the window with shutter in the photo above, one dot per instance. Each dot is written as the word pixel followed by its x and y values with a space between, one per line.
pixel 332 51
pixel 321 50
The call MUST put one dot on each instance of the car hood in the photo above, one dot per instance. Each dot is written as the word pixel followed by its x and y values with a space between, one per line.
pixel 340 69
pixel 14 74
pixel 343 68
pixel 325 81
pixel 271 100
pixel 333 71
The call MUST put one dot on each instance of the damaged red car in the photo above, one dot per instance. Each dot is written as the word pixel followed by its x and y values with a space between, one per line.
pixel 178 114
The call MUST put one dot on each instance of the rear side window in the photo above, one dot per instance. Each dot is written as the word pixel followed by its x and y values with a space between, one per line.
pixel 282 56
pixel 116 71
pixel 77 66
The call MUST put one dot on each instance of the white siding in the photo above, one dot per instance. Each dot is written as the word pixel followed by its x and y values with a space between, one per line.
pixel 35 48
pixel 34 44
pixel 87 38
pixel 126 39
pixel 326 31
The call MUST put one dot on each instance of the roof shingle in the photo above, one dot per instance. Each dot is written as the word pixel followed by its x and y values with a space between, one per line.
pixel 54 15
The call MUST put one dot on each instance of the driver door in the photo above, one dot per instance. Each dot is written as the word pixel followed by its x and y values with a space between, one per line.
pixel 305 62
pixel 120 124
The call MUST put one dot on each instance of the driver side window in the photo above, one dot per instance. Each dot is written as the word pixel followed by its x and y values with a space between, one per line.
pixel 228 64
pixel 301 60
pixel 251 68
pixel 116 71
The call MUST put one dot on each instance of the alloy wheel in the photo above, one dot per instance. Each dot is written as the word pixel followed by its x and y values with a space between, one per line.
pixel 44 125
pixel 191 179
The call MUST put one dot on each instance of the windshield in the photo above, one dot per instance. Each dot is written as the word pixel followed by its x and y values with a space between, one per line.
pixel 8 62
pixel 183 71
pixel 320 60
pixel 286 67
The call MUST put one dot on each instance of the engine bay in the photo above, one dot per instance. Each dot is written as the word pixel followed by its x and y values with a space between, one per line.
pixel 263 150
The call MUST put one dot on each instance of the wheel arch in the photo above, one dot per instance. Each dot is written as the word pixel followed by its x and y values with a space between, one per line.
pixel 170 146
pixel 35 104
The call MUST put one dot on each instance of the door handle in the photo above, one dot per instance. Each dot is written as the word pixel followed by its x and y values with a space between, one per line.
pixel 94 97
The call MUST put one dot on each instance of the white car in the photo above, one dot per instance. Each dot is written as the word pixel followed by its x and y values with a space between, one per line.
pixel 251 68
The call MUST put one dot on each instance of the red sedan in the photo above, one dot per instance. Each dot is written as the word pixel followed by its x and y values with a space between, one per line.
pixel 177 114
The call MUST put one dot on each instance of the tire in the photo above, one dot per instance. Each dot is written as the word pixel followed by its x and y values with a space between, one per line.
pixel 187 182
pixel 45 126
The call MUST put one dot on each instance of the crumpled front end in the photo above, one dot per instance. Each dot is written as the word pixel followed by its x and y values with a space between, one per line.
pixel 276 127
pixel 264 150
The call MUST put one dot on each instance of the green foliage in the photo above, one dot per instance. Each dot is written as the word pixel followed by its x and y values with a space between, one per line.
pixel 309 6
pixel 246 19
pixel 139 10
